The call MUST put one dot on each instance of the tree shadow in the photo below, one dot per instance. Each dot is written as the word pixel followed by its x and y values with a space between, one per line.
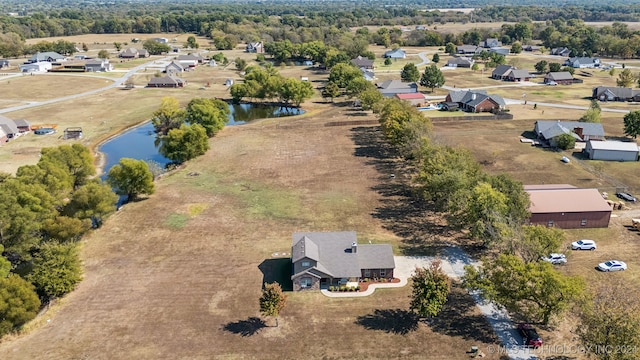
pixel 401 210
pixel 395 321
pixel 248 327
pixel 457 318
pixel 277 270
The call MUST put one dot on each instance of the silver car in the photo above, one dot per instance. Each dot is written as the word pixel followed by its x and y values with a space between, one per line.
pixel 583 244
pixel 555 259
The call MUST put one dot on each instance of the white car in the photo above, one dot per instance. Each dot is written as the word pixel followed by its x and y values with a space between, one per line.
pixel 555 259
pixel 583 244
pixel 612 265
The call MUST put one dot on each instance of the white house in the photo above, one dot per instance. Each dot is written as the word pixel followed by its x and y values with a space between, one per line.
pixel 41 66
pixel 612 150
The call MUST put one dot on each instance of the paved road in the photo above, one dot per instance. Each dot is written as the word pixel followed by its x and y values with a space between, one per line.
pixel 116 83
pixel 425 60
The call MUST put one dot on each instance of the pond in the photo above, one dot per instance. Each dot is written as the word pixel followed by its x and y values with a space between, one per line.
pixel 140 142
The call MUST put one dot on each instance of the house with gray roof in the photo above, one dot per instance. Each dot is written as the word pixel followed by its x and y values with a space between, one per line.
pixel 174 67
pixel 254 47
pixel 581 131
pixel 499 50
pixel 490 43
pixel 560 51
pixel 4 63
pixel 462 62
pixel 612 150
pixel 166 82
pixel 468 49
pixel 389 88
pixel 363 63
pixel 133 53
pixel 323 259
pixel 610 93
pixel 48 56
pixel 560 77
pixel 582 62
pixel 395 54
pixel 518 75
pixel 97 65
pixel 501 72
pixel 476 101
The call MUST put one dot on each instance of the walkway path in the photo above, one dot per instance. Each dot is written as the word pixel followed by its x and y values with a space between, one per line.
pixel 423 56
pixel 453 263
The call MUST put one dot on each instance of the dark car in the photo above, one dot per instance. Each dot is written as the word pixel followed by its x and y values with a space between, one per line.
pixel 626 196
pixel 530 335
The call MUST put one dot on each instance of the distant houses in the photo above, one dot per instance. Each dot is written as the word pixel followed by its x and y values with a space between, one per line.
pixel 583 62
pixel 36 67
pixel 255 47
pixel 560 77
pixel 460 62
pixel 10 128
pixel 609 93
pixel 133 53
pixel 582 131
pixel 390 88
pixel 363 63
pixel 510 73
pixel 415 99
pixel 395 54
pixel 49 56
pixel 560 51
pixel 166 82
pixel 473 101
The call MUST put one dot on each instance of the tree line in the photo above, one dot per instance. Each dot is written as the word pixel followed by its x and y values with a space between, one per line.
pixel 265 83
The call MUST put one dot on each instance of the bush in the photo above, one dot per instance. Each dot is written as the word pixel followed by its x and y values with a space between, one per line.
pixel 358 288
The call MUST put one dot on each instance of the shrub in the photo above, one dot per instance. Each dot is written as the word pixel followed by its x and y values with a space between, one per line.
pixel 358 288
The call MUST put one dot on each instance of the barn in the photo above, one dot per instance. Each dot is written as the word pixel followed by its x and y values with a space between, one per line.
pixel 612 150
pixel 567 207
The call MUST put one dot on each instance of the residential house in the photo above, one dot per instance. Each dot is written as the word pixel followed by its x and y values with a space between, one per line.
pixel 173 68
pixel 4 63
pixel 461 62
pixel 468 49
pixel 501 72
pixel 531 48
pixel 499 50
pixel 48 56
pixel 9 128
pixel 323 259
pixel 560 51
pixel 609 93
pixel 415 99
pixel 518 75
pixel 133 53
pixel 582 62
pixel 188 61
pixel 368 75
pixel 490 43
pixel 23 125
pixel 567 207
pixel 475 101
pixel 166 82
pixel 389 88
pixel 161 40
pixel 98 65
pixel 395 54
pixel 612 150
pixel 254 47
pixel 363 63
pixel 560 77
pixel 581 131
pixel 42 66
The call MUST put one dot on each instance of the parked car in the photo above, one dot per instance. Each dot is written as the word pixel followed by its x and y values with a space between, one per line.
pixel 583 244
pixel 626 196
pixel 551 83
pixel 555 259
pixel 612 265
pixel 530 335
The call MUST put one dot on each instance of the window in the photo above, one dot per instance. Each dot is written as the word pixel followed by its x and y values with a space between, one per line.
pixel 383 272
pixel 367 273
pixel 305 282
pixel 583 222
pixel 306 264
pixel 550 223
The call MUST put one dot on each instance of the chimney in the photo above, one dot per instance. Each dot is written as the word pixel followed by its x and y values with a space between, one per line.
pixel 578 131
pixel 354 247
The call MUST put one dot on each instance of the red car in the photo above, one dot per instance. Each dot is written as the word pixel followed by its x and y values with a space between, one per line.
pixel 530 335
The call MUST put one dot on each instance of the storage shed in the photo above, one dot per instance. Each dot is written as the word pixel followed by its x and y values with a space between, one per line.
pixel 612 150
pixel 567 208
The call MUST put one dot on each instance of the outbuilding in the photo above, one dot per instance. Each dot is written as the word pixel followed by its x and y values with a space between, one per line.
pixel 567 207
pixel 612 150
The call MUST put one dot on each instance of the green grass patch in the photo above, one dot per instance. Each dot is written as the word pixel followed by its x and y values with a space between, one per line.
pixel 176 221
pixel 196 209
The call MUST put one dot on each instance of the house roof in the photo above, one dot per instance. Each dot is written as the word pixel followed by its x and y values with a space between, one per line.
pixel 622 93
pixel 502 70
pixel 583 60
pixel 592 129
pixel 467 48
pixel 560 75
pixel 614 145
pixel 519 74
pixel 410 96
pixel 473 98
pixel 93 62
pixel 8 126
pixel 395 52
pixel 460 60
pixel 43 56
pixel 362 62
pixel 176 64
pixel 22 122
pixel 334 256
pixel 396 84
pixel 166 80
pixel 566 200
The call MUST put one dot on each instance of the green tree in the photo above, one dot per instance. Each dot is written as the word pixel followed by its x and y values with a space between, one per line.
pixel 485 213
pixel 132 178
pixel 241 64
pixel 65 229
pixel 626 78
pixel 75 160
pixel 537 241
pixel 56 270
pixel 185 143
pixel 168 116
pixel 19 303
pixel 272 300
pixel 610 321
pixel 432 77
pixel 541 66
pixel 475 66
pixel 296 91
pixel 5 265
pixel 593 113
pixel 569 69
pixel 430 289
pixel 632 123
pixel 117 45
pixel 565 142
pixel 343 74
pixel 369 98
pixel 554 67
pixel 435 59
pixel 387 62
pixel 532 290
pixel 357 86
pixel 93 200
pixel 156 48
pixel 192 43
pixel 409 73
pixel 516 48
pixel 212 114
pixel 103 54
pixel 450 48
pixel 331 90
